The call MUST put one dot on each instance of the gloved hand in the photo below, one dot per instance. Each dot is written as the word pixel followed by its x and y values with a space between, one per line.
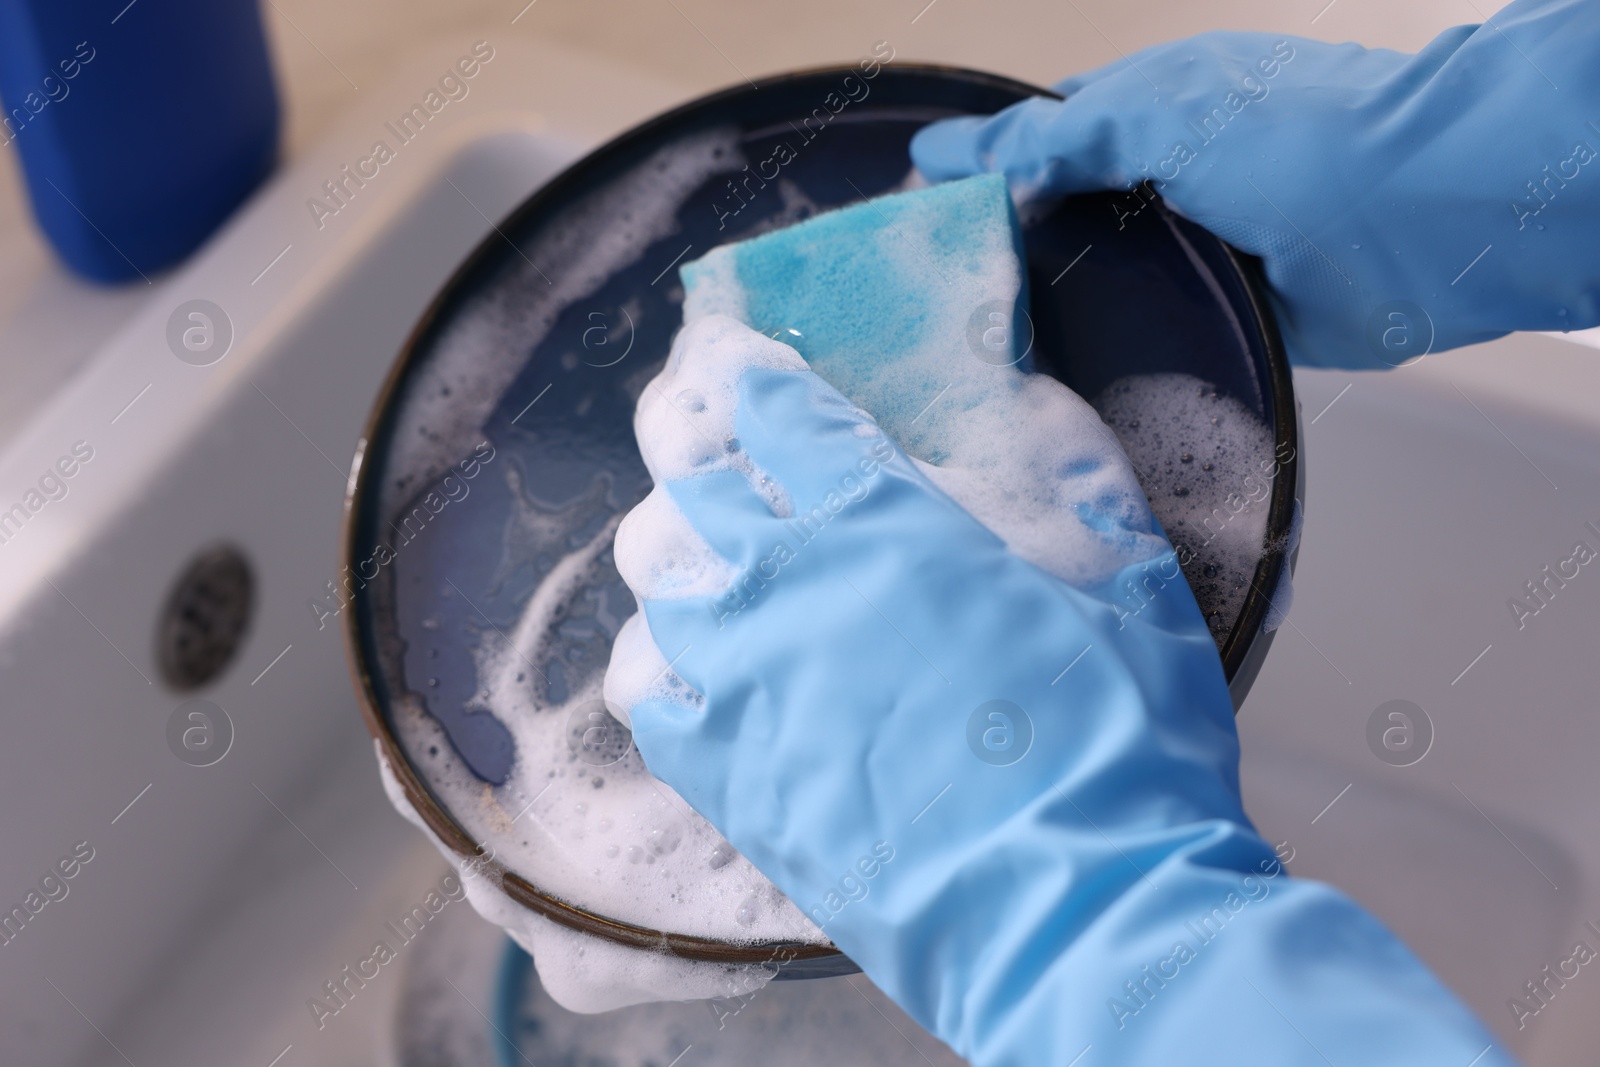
pixel 1015 807
pixel 1400 203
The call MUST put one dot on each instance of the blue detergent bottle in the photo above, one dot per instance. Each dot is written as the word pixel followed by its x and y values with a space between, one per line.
pixel 141 125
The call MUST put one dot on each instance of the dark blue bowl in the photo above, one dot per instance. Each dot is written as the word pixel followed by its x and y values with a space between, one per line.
pixel 555 398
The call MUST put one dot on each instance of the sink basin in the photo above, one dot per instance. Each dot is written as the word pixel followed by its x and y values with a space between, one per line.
pixel 221 897
pixel 1441 489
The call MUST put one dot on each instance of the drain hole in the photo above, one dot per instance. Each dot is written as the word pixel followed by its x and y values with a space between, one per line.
pixel 205 618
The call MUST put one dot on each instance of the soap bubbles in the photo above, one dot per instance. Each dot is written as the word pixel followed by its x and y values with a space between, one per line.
pixel 595 736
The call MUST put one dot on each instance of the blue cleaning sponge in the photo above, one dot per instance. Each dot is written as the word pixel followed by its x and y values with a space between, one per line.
pixel 931 276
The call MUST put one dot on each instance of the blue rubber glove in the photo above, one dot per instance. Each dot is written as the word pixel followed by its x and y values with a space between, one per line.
pixel 1400 203
pixel 1015 807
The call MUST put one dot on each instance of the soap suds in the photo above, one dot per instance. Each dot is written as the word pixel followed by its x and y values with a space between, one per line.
pixel 583 973
pixel 691 404
pixel 579 816
pixel 1206 464
pixel 486 343
pixel 639 672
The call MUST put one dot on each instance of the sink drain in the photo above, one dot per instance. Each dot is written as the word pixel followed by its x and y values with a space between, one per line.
pixel 205 618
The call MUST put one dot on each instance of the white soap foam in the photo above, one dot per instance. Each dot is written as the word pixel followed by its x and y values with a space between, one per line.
pixel 487 341
pixel 1051 481
pixel 639 672
pixel 582 973
pixel 1205 461
pixel 688 409
pixel 579 815
pixel 581 818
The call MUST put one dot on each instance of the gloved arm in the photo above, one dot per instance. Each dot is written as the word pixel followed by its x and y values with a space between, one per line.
pixel 1015 807
pixel 1399 202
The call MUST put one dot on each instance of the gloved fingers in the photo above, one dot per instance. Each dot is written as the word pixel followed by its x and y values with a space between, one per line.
pixel 692 750
pixel 640 674
pixel 1119 123
pixel 665 733
pixel 684 421
pixel 821 448
pixel 1043 147
pixel 690 538
pixel 734 519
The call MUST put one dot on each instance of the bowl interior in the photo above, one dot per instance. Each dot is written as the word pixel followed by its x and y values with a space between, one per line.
pixel 503 440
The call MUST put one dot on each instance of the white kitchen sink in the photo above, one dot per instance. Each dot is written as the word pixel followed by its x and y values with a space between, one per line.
pixel 220 898
pixel 1433 495
pixel 225 896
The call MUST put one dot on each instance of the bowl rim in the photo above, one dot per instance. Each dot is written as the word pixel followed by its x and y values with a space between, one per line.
pixel 1246 647
pixel 1245 641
